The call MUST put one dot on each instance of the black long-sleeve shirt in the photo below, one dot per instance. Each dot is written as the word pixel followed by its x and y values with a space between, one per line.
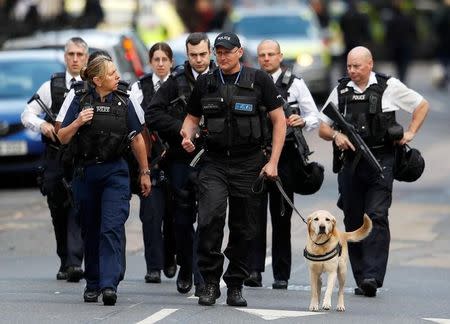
pixel 158 118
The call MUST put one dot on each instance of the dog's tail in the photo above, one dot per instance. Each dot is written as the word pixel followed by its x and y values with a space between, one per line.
pixel 361 233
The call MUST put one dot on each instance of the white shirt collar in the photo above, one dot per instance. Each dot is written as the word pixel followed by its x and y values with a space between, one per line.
pixel 69 77
pixel 372 80
pixel 276 75
pixel 155 78
pixel 196 74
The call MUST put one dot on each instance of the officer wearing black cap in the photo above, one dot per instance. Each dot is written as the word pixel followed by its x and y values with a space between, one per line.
pixel 368 100
pixel 230 99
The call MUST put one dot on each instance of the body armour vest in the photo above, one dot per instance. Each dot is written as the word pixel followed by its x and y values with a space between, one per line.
pixel 105 137
pixel 148 90
pixel 58 92
pixel 283 84
pixel 364 111
pixel 232 113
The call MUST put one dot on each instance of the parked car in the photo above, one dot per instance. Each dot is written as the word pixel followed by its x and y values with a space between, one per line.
pixel 296 29
pixel 127 50
pixel 21 74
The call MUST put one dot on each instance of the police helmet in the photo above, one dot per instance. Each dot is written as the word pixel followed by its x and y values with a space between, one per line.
pixel 311 179
pixel 409 164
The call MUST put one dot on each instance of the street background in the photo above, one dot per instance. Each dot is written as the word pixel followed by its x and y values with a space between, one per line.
pixel 418 278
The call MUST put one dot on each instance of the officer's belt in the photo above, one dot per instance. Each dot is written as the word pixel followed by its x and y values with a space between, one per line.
pixel 92 161
pixel 234 152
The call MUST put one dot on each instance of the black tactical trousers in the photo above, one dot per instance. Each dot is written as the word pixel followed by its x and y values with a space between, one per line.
pixel 281 224
pixel 69 245
pixel 363 191
pixel 223 179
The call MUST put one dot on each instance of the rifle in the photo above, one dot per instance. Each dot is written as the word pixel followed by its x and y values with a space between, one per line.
pixel 299 140
pixel 362 150
pixel 66 184
pixel 43 107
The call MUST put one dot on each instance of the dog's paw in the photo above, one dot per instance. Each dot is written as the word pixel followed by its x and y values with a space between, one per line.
pixel 326 306
pixel 314 307
pixel 340 308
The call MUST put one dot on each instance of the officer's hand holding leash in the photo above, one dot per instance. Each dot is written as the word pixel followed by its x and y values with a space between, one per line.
pixel 270 170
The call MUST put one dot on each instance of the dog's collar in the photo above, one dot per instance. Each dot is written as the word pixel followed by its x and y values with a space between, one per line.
pixel 324 257
pixel 322 242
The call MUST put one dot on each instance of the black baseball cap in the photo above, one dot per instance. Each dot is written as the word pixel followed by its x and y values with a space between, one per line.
pixel 228 40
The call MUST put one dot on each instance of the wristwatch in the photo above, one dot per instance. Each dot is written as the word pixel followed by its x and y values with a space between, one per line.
pixel 146 172
pixel 334 135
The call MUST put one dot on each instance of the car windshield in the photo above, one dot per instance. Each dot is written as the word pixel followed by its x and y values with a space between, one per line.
pixel 274 27
pixel 22 78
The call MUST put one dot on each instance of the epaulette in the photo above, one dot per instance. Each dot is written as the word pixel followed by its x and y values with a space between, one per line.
pixel 123 88
pixel 178 70
pixel 344 79
pixel 80 87
pixel 146 76
pixel 58 75
pixel 382 75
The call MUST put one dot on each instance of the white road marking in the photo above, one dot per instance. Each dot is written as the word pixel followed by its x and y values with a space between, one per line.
pixel 274 314
pixel 163 313
pixel 438 320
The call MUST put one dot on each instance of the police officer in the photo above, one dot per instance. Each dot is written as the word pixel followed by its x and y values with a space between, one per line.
pixel 69 246
pixel 230 98
pixel 368 100
pixel 165 115
pixel 80 88
pixel 296 93
pixel 100 125
pixel 152 208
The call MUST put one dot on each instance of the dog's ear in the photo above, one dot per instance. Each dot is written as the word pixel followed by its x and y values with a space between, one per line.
pixel 309 218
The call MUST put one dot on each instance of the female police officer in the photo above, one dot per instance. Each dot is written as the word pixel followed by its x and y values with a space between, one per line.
pixel 98 125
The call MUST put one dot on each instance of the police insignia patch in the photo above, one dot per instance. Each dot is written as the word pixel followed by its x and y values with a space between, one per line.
pixel 243 107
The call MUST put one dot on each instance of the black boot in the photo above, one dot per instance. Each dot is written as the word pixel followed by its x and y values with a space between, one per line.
pixel 210 294
pixel 90 296
pixel 234 297
pixel 254 280
pixel 109 297
pixel 74 274
pixel 154 276
pixel 184 281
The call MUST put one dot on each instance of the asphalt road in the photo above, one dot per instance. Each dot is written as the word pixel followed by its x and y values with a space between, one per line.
pixel 415 290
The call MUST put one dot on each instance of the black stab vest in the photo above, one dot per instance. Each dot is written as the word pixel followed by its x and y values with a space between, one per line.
pixel 232 113
pixel 105 137
pixel 364 111
pixel 148 90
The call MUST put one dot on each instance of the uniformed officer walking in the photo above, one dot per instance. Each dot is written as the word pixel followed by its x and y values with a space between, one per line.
pixel 165 115
pixel 69 246
pixel 368 101
pixel 153 208
pixel 230 99
pixel 297 95
pixel 100 125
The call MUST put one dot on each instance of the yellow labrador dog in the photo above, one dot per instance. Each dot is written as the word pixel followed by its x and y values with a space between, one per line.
pixel 326 250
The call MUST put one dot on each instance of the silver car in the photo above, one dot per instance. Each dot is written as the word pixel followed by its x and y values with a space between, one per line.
pixel 297 31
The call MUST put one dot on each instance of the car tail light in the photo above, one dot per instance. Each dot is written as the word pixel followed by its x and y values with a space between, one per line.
pixel 132 56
